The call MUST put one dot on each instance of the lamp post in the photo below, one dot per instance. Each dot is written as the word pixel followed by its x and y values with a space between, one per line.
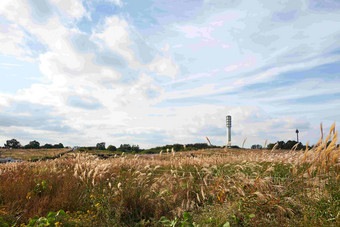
pixel 297 135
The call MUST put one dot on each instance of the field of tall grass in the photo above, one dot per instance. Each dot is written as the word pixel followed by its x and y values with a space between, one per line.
pixel 208 188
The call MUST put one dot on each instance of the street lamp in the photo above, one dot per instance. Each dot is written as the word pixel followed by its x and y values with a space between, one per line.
pixel 297 135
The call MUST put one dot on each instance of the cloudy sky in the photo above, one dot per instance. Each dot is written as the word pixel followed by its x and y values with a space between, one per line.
pixel 156 72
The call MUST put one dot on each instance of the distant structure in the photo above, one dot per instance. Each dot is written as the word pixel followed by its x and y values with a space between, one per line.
pixel 297 135
pixel 228 118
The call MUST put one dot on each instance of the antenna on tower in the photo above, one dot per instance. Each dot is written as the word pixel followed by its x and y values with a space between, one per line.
pixel 228 119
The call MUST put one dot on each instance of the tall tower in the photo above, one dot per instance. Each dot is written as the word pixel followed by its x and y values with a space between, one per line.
pixel 229 129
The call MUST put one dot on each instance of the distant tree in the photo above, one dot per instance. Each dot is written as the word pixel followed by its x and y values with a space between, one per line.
pixel 197 145
pixel 235 147
pixel 178 147
pixel 47 146
pixel 90 148
pixel 201 145
pixel 270 146
pixel 256 146
pixel 281 144
pixel 34 144
pixel 100 146
pixel 112 148
pixel 13 143
pixel 125 148
pixel 291 143
pixel 286 145
pixel 304 147
pixel 59 145
pixel 135 149
pixel 300 146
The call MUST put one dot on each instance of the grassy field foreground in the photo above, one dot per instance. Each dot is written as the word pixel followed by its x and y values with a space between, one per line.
pixel 210 188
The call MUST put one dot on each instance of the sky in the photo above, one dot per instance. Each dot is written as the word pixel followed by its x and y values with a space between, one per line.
pixel 158 72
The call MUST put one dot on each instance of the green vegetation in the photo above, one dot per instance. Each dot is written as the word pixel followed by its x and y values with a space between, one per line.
pixel 290 144
pixel 134 149
pixel 100 146
pixel 14 144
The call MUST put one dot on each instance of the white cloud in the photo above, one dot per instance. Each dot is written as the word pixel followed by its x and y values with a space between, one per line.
pixel 13 18
pixel 15 10
pixel 11 39
pixel 164 67
pixel 116 36
pixel 72 8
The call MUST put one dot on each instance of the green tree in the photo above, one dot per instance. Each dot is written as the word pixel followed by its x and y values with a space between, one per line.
pixel 13 143
pixel 256 146
pixel 59 145
pixel 112 148
pixel 291 143
pixel 125 148
pixel 270 146
pixel 135 148
pixel 235 147
pixel 47 146
pixel 280 145
pixel 100 146
pixel 178 147
pixel 34 144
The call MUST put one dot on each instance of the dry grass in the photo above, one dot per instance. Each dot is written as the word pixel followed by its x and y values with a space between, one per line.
pixel 31 154
pixel 242 187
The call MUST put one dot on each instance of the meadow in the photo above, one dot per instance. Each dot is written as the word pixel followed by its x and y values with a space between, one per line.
pixel 33 154
pixel 212 187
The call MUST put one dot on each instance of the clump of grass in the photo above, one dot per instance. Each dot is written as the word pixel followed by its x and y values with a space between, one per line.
pixel 324 156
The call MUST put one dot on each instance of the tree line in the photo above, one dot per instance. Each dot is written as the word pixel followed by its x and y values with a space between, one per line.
pixel 290 144
pixel 122 148
pixel 287 145
pixel 128 148
pixel 15 144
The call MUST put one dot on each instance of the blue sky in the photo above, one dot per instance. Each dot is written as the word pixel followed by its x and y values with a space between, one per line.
pixel 157 72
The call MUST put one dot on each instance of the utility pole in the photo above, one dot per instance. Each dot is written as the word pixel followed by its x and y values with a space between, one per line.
pixel 297 135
